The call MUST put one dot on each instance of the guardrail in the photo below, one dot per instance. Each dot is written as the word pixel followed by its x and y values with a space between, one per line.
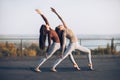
pixel 87 42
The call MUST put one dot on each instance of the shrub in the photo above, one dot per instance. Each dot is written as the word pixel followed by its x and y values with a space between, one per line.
pixel 29 52
pixel 7 49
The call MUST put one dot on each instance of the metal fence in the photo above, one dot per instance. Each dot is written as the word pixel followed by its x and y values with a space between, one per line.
pixel 91 43
pixel 100 42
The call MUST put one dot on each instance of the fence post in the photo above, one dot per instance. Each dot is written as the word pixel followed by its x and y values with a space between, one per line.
pixel 21 47
pixel 112 46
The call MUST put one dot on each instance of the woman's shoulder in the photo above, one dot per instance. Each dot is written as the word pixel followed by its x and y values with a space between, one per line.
pixel 68 30
pixel 52 31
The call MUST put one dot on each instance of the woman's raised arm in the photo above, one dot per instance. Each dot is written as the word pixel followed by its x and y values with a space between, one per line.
pixel 44 18
pixel 53 10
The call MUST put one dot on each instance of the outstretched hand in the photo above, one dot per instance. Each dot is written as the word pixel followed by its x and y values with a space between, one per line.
pixel 53 10
pixel 38 11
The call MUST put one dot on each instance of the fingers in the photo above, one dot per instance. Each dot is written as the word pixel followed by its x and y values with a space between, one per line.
pixel 52 9
pixel 38 11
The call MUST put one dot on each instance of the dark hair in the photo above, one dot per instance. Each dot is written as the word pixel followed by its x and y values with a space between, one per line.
pixel 42 38
pixel 60 34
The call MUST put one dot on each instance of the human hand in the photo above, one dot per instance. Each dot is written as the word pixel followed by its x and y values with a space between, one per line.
pixel 53 10
pixel 38 11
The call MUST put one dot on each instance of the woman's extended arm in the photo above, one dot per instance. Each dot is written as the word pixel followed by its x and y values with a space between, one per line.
pixel 49 41
pixel 53 10
pixel 44 18
pixel 63 37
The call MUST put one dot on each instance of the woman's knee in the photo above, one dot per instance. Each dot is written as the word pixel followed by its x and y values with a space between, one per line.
pixel 88 51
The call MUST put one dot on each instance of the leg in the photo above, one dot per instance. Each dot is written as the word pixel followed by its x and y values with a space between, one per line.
pixel 53 48
pixel 67 52
pixel 74 62
pixel 41 62
pixel 58 61
pixel 71 58
pixel 86 50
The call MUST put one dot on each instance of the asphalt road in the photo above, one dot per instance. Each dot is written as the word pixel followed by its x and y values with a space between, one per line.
pixel 22 68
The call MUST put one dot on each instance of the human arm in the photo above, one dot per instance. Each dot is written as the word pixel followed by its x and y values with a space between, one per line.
pixel 44 18
pixel 53 10
pixel 49 42
pixel 63 41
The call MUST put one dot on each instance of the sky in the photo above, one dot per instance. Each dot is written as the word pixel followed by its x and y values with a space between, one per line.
pixel 82 16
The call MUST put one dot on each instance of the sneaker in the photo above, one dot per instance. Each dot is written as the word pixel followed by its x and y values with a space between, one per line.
pixel 37 70
pixel 90 67
pixel 53 70
pixel 76 67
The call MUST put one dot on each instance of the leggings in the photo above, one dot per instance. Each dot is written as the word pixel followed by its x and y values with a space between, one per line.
pixel 70 48
pixel 53 48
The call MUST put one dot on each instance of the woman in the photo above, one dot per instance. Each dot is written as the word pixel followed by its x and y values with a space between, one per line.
pixel 64 32
pixel 45 30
